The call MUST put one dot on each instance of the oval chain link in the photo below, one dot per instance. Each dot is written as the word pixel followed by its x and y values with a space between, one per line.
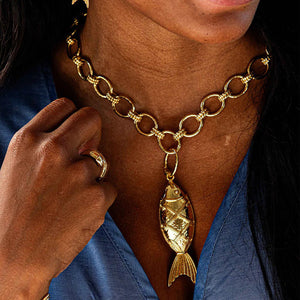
pixel 74 53
pixel 154 130
pixel 171 174
pixel 162 147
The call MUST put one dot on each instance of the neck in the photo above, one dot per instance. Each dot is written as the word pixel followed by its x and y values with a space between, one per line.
pixel 165 74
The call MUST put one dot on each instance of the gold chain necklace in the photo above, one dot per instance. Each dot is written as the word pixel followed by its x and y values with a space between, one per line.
pixel 176 215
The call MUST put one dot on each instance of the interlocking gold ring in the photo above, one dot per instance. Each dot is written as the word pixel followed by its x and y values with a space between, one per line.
pixel 171 175
pixel 100 160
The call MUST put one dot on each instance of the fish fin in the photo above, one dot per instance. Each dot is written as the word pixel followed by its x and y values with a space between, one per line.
pixel 182 265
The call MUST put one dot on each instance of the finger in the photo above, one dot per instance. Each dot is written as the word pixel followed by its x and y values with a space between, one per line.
pixel 110 193
pixel 91 144
pixel 86 170
pixel 81 130
pixel 100 196
pixel 51 116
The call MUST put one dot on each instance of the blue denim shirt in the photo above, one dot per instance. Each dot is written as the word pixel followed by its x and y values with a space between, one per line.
pixel 107 268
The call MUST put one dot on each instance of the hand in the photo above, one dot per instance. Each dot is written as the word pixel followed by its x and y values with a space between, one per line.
pixel 50 202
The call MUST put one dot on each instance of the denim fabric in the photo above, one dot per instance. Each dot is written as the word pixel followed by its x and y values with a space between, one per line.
pixel 107 267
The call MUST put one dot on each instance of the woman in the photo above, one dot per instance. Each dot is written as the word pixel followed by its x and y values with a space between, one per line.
pixel 56 234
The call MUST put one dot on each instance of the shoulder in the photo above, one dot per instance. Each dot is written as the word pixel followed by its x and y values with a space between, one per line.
pixel 22 98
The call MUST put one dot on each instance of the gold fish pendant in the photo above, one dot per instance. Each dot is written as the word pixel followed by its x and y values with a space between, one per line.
pixel 177 224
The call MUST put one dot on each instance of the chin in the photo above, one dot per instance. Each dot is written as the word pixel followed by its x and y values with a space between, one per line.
pixel 217 22
pixel 204 21
pixel 218 31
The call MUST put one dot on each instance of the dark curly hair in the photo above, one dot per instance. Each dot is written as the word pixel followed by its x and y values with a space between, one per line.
pixel 29 29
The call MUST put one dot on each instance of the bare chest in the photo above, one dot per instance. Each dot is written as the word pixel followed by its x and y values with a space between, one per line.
pixel 137 173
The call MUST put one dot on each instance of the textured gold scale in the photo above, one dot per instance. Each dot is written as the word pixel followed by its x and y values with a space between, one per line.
pixel 177 224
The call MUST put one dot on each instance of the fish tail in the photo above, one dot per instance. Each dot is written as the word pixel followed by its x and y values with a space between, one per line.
pixel 182 265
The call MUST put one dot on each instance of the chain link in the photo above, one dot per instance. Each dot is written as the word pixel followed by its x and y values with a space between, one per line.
pixel 162 147
pixel 125 100
pixel 171 174
pixel 74 53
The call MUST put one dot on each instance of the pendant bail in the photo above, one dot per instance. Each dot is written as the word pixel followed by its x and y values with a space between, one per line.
pixel 170 175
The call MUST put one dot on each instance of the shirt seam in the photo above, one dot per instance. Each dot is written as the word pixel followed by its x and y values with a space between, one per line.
pixel 217 237
pixel 123 259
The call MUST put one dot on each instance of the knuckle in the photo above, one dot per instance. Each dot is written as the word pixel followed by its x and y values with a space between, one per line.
pixel 23 137
pixel 60 106
pixel 53 147
pixel 63 103
pixel 92 115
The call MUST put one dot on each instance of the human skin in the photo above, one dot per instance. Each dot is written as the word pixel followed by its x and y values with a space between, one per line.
pixel 135 42
pixel 203 21
pixel 147 48
pixel 46 215
pixel 166 58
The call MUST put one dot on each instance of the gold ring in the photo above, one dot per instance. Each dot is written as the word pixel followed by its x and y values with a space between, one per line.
pixel 100 160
